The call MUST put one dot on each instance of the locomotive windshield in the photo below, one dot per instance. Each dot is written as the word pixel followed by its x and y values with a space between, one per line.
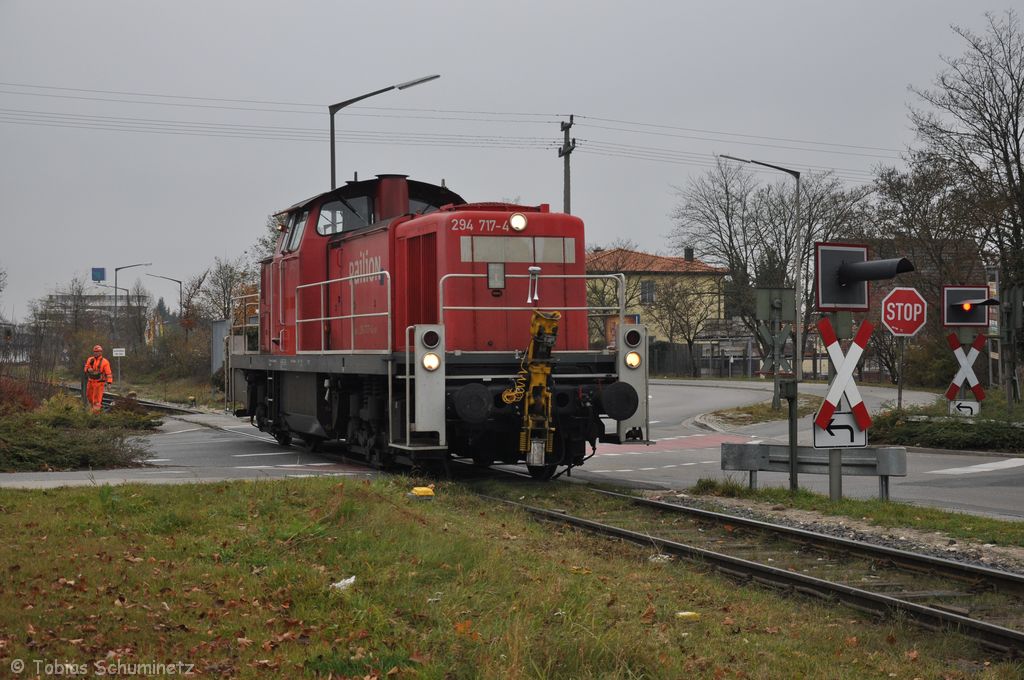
pixel 345 214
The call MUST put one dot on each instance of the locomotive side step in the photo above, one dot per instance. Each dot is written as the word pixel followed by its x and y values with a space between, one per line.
pixel 417 447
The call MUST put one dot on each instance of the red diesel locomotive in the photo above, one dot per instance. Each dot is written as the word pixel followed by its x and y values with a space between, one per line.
pixel 412 326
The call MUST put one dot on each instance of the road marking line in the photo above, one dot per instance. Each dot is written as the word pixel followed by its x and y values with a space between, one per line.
pixel 254 467
pixel 166 472
pixel 254 455
pixel 981 467
pixel 157 460
pixel 191 429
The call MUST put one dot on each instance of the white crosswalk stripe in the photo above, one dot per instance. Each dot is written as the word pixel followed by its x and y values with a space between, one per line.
pixel 981 467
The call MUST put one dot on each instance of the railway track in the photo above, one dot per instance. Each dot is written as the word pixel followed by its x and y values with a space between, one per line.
pixel 984 604
pixel 109 399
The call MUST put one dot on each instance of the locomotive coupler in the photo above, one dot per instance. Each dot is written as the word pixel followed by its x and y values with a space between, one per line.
pixel 536 439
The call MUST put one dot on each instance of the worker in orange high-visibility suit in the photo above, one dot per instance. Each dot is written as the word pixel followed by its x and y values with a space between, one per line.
pixel 97 370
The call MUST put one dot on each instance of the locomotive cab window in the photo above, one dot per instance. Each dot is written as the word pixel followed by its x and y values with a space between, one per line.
pixel 296 225
pixel 418 207
pixel 345 215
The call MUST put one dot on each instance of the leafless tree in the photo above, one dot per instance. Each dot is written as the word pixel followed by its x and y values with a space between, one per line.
pixel 752 230
pixel 225 281
pixel 190 309
pixel 136 314
pixel 681 307
pixel 267 243
pixel 973 118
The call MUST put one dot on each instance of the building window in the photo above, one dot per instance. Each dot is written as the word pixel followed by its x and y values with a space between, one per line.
pixel 646 292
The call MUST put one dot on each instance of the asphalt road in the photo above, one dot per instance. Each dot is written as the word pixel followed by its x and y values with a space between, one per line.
pixel 214 447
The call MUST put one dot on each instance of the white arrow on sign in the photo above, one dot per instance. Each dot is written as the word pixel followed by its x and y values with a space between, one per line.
pixel 841 432
pixel 964 408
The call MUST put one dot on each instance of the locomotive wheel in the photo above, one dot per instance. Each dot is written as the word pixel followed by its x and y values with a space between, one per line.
pixel 541 473
pixel 283 437
pixel 311 443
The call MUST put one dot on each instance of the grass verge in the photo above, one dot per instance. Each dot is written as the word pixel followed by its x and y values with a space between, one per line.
pixel 61 435
pixel 881 513
pixel 763 412
pixel 236 579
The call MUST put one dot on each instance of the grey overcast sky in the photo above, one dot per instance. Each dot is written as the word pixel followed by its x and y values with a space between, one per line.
pixel 233 125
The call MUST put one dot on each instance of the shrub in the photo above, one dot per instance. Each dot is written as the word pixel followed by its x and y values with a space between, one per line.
pixel 62 435
pixel 909 428
pixel 15 396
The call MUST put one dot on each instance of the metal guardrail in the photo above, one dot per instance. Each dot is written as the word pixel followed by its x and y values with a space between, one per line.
pixel 871 461
pixel 322 285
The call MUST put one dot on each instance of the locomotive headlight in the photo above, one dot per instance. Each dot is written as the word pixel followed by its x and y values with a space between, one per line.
pixel 517 221
pixel 431 361
pixel 633 360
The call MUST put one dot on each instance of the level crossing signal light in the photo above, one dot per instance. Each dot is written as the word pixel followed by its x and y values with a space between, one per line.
pixel 842 272
pixel 966 305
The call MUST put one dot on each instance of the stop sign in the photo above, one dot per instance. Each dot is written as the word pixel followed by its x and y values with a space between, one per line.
pixel 904 311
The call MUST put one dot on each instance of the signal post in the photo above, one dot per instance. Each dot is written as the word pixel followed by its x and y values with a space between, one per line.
pixel 965 309
pixel 904 313
pixel 841 276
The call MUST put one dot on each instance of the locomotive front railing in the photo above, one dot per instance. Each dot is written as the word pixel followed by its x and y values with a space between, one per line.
pixel 351 317
pixel 592 310
pixel 245 308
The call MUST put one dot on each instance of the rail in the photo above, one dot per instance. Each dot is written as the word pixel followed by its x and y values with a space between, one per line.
pixel 351 317
pixel 592 310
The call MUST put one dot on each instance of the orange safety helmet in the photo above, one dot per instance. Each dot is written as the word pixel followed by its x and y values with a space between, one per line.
pixel 97 348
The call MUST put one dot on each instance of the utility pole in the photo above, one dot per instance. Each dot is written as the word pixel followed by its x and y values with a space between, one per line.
pixel 566 149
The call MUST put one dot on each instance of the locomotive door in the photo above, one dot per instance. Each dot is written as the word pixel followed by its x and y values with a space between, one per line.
pixel 420 254
pixel 288 280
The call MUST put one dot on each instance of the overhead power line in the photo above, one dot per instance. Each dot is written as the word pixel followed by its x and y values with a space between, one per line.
pixel 316 109
pixel 593 145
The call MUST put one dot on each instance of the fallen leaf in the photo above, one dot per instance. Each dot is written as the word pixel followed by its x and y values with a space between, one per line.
pixel 649 614
pixel 912 655
pixel 852 641
pixel 243 641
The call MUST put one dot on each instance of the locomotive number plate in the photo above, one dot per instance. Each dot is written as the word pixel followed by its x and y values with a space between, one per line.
pixel 479 225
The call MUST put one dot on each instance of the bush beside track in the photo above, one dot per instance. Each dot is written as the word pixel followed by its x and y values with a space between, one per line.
pixel 60 434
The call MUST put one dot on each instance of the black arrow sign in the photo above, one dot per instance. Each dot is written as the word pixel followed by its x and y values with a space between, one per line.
pixel 965 407
pixel 831 427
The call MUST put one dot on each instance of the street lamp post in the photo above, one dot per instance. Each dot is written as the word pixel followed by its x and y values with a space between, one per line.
pixel 792 394
pixel 797 269
pixel 116 270
pixel 157 276
pixel 115 325
pixel 334 108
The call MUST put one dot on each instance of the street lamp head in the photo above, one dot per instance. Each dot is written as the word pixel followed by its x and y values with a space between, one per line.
pixel 733 158
pixel 413 83
pixel 334 108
